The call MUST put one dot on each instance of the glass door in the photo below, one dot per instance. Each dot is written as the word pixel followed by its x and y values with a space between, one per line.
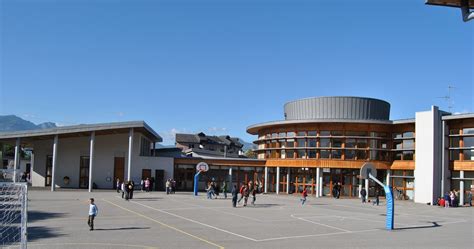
pixel 84 172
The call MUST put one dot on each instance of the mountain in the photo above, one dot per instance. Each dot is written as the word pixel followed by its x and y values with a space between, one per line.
pixel 14 123
pixel 247 145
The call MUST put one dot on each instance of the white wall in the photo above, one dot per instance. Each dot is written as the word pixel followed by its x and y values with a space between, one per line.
pixel 428 156
pixel 107 147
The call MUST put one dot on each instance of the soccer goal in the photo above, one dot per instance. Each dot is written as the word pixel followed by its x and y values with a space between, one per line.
pixel 13 215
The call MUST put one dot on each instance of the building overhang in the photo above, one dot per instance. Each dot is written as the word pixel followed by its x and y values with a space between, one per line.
pixel 254 129
pixel 82 131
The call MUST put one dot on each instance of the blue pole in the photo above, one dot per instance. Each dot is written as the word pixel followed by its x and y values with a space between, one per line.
pixel 390 207
pixel 196 181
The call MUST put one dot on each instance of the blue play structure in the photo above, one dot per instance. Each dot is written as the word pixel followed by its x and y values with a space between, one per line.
pixel 196 181
pixel 368 171
pixel 390 207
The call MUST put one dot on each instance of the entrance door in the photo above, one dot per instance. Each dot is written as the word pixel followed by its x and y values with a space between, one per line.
pixel 146 173
pixel 84 172
pixel 49 171
pixel 159 179
pixel 119 170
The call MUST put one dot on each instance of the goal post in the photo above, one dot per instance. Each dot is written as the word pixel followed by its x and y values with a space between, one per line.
pixel 13 215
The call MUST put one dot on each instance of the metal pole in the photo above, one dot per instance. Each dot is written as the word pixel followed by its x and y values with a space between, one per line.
pixel 277 187
pixel 266 180
pixel 288 181
pixel 318 172
pixel 91 159
pixel 461 188
pixel 17 159
pixel 130 149
pixel 55 156
pixel 443 146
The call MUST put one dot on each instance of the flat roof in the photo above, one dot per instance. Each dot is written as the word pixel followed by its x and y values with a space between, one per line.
pixel 253 129
pixel 84 130
pixel 458 116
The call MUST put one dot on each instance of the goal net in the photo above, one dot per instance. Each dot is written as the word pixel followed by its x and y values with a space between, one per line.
pixel 13 215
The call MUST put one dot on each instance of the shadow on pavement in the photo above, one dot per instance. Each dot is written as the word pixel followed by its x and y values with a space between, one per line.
pixel 40 215
pixel 42 232
pixel 120 228
pixel 433 225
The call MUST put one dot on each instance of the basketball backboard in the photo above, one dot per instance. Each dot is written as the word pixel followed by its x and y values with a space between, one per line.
pixel 366 169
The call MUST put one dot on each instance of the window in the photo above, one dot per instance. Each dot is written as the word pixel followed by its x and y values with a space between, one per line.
pixel 397 156
pixel 301 154
pixel 454 142
pixel 408 134
pixel 362 143
pixel 324 133
pixel 267 154
pixel 467 131
pixel 468 155
pixel 301 133
pixel 397 135
pixel 468 142
pixel 311 153
pixel 324 153
pixel 274 135
pixel 454 132
pixel 397 145
pixel 290 134
pixel 301 142
pixel 336 133
pixel 361 154
pixel 350 154
pixel 453 155
pixel 356 133
pixel 282 134
pixel 312 142
pixel 336 142
pixel 408 144
pixel 145 147
pixel 312 133
pixel 350 143
pixel 281 143
pixel 324 142
pixel 290 143
pixel 408 155
pixel 336 154
pixel 290 154
pixel 283 154
pixel 274 144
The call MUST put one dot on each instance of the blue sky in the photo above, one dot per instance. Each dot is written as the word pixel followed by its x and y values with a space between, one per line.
pixel 219 66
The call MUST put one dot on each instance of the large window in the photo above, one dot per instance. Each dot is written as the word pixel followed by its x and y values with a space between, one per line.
pixel 312 142
pixel 324 154
pixel 145 147
pixel 468 142
pixel 301 142
pixel 336 142
pixel 324 143
pixel 336 154
pixel 311 153
pixel 290 143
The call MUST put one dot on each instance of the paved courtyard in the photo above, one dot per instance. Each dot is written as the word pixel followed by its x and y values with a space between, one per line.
pixel 157 220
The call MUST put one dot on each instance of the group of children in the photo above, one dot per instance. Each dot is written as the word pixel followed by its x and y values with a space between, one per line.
pixel 246 189
pixel 126 188
pixel 451 199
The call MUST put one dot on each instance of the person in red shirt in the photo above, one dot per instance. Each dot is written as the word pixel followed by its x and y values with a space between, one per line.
pixel 304 195
pixel 241 191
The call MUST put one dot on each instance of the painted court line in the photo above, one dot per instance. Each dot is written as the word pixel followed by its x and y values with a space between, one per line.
pixel 317 235
pixel 165 225
pixel 89 244
pixel 220 211
pixel 322 224
pixel 197 222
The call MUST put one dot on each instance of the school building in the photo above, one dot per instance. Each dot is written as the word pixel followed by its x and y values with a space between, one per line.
pixel 90 156
pixel 319 143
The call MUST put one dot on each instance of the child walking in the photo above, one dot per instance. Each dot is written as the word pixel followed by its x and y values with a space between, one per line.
pixel 93 210
pixel 304 195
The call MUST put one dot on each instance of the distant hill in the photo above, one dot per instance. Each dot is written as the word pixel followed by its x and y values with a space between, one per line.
pixel 14 123
pixel 247 145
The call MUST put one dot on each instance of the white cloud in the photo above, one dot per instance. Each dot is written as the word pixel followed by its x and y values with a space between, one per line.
pixel 170 135
pixel 216 129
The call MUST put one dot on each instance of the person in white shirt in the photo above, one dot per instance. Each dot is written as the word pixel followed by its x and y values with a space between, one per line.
pixel 93 211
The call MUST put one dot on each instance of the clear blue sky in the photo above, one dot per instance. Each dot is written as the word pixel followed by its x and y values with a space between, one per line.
pixel 219 66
